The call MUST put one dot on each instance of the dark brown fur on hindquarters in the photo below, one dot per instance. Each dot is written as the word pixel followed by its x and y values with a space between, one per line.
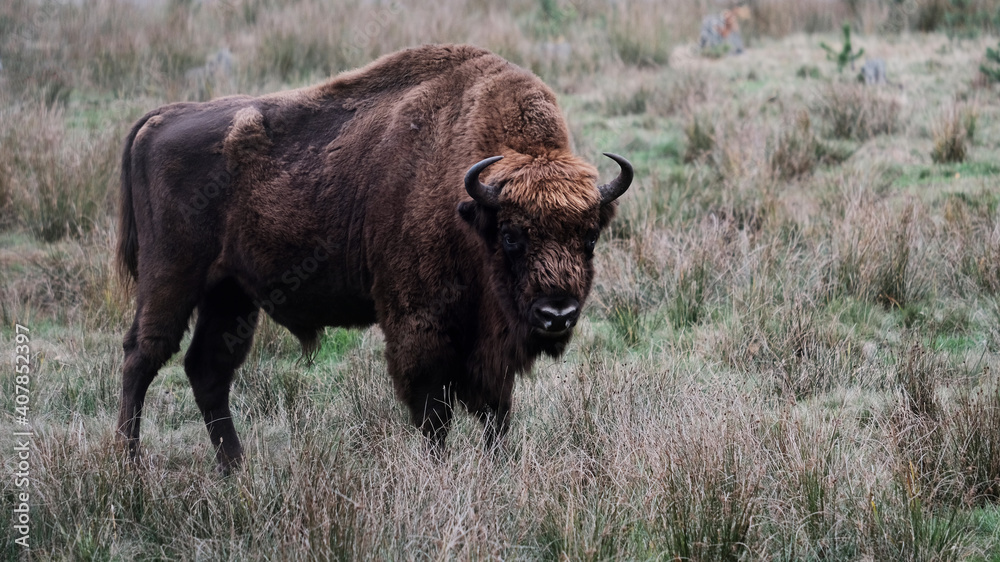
pixel 360 201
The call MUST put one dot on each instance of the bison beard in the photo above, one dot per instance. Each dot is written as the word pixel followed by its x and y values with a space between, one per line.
pixel 433 192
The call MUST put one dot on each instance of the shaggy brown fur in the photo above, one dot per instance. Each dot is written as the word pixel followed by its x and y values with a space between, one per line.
pixel 343 204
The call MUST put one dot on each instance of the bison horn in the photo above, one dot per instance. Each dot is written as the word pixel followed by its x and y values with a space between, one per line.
pixel 486 195
pixel 618 186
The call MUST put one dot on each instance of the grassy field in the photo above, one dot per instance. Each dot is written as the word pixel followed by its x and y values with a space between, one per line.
pixel 791 351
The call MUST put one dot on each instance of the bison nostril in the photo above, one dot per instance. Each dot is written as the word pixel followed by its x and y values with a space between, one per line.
pixel 557 315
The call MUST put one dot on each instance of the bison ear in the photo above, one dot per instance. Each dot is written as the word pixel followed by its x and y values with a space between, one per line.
pixel 482 219
pixel 607 213
pixel 467 210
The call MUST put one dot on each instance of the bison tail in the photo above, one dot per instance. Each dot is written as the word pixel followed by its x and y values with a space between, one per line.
pixel 127 254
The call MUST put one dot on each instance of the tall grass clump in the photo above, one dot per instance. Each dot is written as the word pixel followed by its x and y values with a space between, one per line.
pixel 700 139
pixel 797 151
pixel 687 301
pixel 60 182
pixel 631 294
pixel 740 155
pixel 777 18
pixel 963 18
pixel 893 283
pixel 974 426
pixel 685 92
pixel 919 518
pixel 902 525
pixel 857 112
pixel 818 518
pixel 706 483
pixel 637 37
pixel 953 131
pixel 875 255
pixel 971 225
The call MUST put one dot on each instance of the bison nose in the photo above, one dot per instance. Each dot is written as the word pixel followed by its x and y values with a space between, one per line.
pixel 555 315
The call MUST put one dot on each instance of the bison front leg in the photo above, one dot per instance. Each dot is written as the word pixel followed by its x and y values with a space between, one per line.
pixel 493 402
pixel 431 409
pixel 494 420
pixel 421 368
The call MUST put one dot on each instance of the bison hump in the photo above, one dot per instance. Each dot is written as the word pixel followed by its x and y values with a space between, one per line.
pixel 248 137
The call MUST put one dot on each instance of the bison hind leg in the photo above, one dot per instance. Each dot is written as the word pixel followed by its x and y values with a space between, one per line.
pixel 155 335
pixel 227 319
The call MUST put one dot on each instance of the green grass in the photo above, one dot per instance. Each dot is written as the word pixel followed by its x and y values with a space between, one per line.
pixel 944 174
pixel 336 343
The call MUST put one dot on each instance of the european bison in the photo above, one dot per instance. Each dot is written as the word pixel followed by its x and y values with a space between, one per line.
pixel 433 192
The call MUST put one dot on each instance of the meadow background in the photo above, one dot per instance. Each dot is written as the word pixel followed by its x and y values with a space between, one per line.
pixel 791 351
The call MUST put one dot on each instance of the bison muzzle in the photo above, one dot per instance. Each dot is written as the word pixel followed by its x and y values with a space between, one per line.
pixel 433 192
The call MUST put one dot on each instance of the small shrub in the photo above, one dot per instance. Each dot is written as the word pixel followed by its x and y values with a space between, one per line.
pixel 846 56
pixel 990 68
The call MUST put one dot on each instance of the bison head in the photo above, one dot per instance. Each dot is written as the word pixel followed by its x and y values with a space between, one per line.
pixel 540 217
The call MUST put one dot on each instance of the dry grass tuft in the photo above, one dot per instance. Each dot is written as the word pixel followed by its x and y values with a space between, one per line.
pixel 975 424
pixel 876 253
pixel 857 112
pixel 953 132
pixel 700 139
pixel 60 182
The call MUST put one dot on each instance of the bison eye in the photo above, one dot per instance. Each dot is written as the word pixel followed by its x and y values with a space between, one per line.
pixel 512 243
pixel 589 242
